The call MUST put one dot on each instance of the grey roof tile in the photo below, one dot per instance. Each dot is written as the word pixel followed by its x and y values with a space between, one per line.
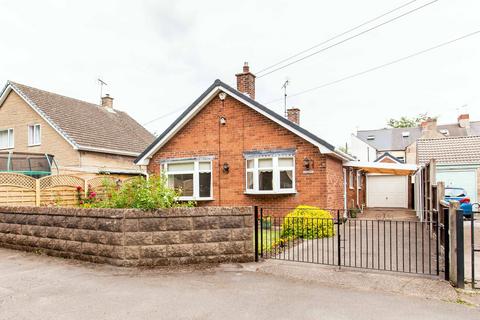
pixel 388 139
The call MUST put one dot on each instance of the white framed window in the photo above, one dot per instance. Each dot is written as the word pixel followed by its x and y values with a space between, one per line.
pixel 34 135
pixel 192 178
pixel 6 139
pixel 270 175
pixel 350 179
pixel 359 180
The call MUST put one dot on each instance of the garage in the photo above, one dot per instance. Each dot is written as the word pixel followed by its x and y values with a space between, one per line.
pixel 460 178
pixel 387 191
pixel 387 183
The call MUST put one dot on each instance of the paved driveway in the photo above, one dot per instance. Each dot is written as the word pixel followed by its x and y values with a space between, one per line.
pixel 38 287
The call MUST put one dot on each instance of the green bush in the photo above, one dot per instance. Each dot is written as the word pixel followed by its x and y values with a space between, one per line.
pixel 140 193
pixel 307 222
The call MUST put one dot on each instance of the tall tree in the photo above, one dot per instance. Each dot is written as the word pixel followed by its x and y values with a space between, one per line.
pixel 407 122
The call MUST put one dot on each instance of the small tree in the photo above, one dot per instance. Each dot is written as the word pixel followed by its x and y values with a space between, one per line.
pixel 407 122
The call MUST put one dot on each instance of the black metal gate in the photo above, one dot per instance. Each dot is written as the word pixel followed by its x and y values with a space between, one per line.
pixel 339 240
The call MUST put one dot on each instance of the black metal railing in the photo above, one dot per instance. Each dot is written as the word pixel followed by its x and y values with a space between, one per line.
pixel 330 237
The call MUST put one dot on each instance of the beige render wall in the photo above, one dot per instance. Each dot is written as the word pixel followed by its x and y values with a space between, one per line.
pixel 104 161
pixel 17 114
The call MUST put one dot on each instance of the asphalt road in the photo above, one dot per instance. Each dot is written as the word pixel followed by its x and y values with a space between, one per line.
pixel 39 287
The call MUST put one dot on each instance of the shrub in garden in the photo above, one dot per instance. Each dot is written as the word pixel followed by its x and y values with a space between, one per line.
pixel 140 193
pixel 307 222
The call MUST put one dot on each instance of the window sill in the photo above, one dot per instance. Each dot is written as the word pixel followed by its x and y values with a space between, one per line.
pixel 34 145
pixel 270 192
pixel 195 199
pixel 7 148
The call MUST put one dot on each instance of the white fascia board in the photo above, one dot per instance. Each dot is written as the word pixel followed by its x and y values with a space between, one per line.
pixel 109 151
pixel 201 104
pixel 381 165
pixel 171 133
pixel 38 111
pixel 320 146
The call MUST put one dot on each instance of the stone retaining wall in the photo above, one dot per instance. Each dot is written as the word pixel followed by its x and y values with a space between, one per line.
pixel 130 237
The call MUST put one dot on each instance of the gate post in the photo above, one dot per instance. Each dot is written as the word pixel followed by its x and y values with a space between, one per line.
pixel 256 233
pixel 457 276
pixel 446 242
pixel 460 250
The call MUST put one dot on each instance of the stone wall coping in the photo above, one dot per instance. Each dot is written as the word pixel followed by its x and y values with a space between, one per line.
pixel 129 213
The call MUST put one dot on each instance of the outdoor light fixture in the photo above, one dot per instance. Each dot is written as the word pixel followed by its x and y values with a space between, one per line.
pixel 226 168
pixel 223 121
pixel 307 164
pixel 222 95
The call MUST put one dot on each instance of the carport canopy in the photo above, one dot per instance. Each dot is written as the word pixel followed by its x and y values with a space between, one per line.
pixel 399 169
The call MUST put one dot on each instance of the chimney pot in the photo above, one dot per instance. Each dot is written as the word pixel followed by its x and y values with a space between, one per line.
pixel 293 114
pixel 107 101
pixel 464 120
pixel 246 81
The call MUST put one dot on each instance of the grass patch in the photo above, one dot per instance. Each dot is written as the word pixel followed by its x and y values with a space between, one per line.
pixel 270 238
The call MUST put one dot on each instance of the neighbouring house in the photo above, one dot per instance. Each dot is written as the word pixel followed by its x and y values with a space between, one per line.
pixel 228 149
pixel 398 145
pixel 84 138
pixel 370 145
pixel 457 161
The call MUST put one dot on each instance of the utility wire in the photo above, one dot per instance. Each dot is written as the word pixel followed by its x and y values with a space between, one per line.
pixel 349 38
pixel 163 116
pixel 337 36
pixel 381 66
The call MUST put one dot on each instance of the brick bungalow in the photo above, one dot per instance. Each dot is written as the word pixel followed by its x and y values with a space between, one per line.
pixel 228 149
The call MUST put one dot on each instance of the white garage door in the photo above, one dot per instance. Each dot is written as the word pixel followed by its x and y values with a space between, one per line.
pixel 466 179
pixel 387 191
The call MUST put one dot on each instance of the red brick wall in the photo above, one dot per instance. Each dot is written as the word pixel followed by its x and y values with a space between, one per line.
pixel 387 160
pixel 247 130
pixel 352 193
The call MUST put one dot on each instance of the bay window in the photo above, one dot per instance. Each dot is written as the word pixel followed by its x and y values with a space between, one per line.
pixel 6 139
pixel 275 174
pixel 192 179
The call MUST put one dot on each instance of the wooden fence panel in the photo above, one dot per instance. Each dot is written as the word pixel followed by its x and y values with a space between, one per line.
pixel 59 190
pixel 97 184
pixel 17 196
pixel 17 190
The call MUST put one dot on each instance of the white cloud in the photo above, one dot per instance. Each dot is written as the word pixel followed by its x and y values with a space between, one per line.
pixel 159 56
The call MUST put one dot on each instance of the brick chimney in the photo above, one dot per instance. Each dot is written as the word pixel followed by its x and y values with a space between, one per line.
pixel 429 129
pixel 464 120
pixel 293 114
pixel 107 101
pixel 246 81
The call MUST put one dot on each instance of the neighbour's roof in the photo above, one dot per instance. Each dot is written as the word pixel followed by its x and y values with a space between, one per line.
pixel 86 126
pixel 394 138
pixel 388 155
pixel 200 102
pixel 454 150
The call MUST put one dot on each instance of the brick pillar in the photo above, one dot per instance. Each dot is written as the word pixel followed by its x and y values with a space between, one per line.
pixel 246 81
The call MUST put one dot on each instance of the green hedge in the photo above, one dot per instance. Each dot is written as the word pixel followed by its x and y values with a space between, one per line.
pixel 308 222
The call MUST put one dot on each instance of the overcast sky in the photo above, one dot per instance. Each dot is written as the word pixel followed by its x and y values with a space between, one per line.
pixel 159 56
